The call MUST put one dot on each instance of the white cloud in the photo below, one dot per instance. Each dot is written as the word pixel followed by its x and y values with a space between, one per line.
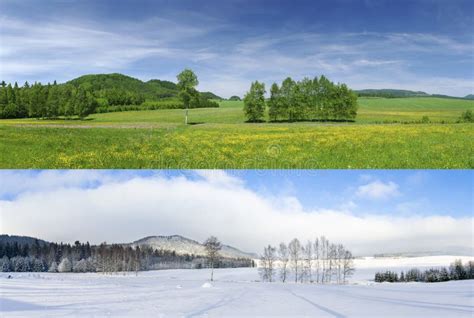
pixel 378 190
pixel 122 211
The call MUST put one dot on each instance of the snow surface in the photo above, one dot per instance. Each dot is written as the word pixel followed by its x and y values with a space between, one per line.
pixel 234 292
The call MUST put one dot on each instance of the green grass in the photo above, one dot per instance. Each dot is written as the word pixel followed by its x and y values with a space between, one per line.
pixel 221 139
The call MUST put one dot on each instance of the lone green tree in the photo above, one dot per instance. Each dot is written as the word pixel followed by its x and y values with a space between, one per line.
pixel 187 81
pixel 254 102
pixel 212 246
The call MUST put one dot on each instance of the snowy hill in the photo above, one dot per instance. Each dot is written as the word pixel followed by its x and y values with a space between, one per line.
pixel 182 245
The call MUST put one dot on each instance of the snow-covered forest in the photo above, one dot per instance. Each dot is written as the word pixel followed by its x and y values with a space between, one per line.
pixel 456 271
pixel 83 257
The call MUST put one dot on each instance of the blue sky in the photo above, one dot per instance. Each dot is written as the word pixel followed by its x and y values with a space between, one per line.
pixel 421 192
pixel 371 211
pixel 420 45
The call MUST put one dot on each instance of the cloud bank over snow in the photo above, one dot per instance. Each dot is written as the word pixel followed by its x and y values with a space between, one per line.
pixel 208 202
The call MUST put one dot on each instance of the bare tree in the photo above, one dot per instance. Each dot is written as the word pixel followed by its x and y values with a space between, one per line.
pixel 212 246
pixel 339 261
pixel 316 256
pixel 308 259
pixel 295 253
pixel 136 260
pixel 348 265
pixel 267 263
pixel 320 260
pixel 332 261
pixel 283 257
pixel 324 258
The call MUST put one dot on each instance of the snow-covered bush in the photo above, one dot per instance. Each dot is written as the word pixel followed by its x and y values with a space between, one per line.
pixel 65 266
pixel 81 266
pixel 5 265
pixel 53 268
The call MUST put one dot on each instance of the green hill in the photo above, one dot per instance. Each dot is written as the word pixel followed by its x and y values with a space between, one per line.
pixel 470 96
pixel 152 90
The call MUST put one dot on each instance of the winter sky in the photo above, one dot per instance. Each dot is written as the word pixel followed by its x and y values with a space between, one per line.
pixel 419 45
pixel 369 211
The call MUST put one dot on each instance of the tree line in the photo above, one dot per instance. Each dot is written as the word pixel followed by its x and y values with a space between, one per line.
pixel 456 271
pixel 68 100
pixel 45 101
pixel 105 258
pixel 318 261
pixel 316 99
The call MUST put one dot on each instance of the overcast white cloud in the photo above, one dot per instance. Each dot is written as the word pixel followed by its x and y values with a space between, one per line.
pixel 218 204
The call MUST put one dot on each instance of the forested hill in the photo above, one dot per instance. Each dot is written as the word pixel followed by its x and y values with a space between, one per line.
pixel 20 240
pixel 151 90
pixel 399 93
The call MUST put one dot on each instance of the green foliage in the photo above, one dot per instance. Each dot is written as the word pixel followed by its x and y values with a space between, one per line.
pixel 235 98
pixel 209 95
pixel 254 102
pixel 187 81
pixel 84 103
pixel 100 85
pixel 50 101
pixel 317 99
pixel 102 93
pixel 467 117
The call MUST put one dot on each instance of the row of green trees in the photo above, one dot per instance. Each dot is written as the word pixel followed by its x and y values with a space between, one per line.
pixel 308 99
pixel 81 99
pixel 45 101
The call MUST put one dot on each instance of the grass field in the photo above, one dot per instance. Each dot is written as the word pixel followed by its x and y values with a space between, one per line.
pixel 219 138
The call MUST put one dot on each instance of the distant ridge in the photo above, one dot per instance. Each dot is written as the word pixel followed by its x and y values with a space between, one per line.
pixel 20 240
pixel 400 93
pixel 387 92
pixel 183 245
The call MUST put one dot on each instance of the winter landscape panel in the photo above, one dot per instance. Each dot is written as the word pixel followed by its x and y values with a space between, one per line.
pixel 236 292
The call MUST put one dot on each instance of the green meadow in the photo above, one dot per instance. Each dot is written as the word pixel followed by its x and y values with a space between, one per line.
pixel 387 133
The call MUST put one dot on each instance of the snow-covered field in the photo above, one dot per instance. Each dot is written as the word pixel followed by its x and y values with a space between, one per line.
pixel 235 292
